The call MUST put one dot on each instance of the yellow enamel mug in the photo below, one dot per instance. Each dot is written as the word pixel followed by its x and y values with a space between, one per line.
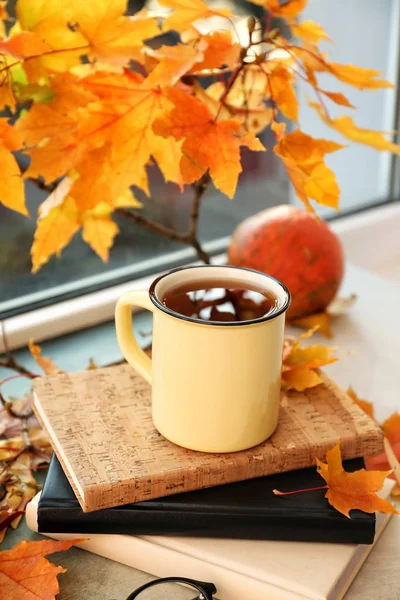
pixel 215 385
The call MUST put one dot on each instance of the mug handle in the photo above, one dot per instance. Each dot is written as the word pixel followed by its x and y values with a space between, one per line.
pixel 128 344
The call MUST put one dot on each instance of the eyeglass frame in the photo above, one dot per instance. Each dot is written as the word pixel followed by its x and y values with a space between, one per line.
pixel 205 589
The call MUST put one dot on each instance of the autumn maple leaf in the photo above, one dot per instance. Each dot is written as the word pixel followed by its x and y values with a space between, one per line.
pixel 301 363
pixel 26 575
pixel 95 28
pixel 186 12
pixel 291 9
pixel 346 126
pixel 207 143
pixel 11 184
pixel 347 491
pixel 46 364
pixel 24 45
pixel 303 157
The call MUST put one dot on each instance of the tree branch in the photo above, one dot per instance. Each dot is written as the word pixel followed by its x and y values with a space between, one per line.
pixel 10 362
pixel 42 185
pixel 191 237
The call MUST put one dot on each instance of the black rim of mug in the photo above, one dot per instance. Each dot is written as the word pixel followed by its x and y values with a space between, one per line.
pixel 172 313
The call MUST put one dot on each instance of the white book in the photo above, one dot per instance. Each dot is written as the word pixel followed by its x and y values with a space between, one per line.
pixel 260 570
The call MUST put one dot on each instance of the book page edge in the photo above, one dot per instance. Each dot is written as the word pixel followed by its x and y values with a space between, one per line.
pixel 80 494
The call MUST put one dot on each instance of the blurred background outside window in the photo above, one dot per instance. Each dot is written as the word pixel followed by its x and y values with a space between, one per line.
pixel 366 33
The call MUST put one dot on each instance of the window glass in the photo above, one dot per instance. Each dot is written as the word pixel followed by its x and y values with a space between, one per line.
pixel 363 175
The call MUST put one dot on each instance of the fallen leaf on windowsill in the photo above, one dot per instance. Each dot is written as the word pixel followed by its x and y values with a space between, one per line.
pixel 24 447
pixel 301 363
pixel 46 364
pixel 323 320
pixel 25 574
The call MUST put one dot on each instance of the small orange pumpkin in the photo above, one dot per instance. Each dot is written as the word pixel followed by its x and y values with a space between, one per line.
pixel 297 248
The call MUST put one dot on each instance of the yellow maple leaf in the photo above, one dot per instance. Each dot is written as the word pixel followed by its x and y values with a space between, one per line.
pixel 310 31
pixel 127 200
pixel 320 320
pixel 186 12
pixel 290 9
pixel 97 28
pixel 346 126
pixel 12 193
pixel 299 363
pixel 347 491
pixel 207 144
pixel 358 77
pixel 300 379
pixel 99 230
pixel 55 228
pixel 303 156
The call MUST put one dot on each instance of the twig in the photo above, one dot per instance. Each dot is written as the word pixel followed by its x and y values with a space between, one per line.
pixel 191 237
pixel 43 186
pixel 10 362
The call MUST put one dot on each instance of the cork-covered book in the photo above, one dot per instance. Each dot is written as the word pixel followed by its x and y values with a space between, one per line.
pixel 101 429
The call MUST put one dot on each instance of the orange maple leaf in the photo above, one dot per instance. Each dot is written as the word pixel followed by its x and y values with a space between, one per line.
pixel 46 364
pixel 299 363
pixel 173 63
pixel 26 575
pixel 310 31
pixel 207 144
pixel 303 157
pixel 12 193
pixel 346 126
pixel 281 91
pixel 186 12
pixel 391 428
pixel 337 98
pixel 347 491
pixel 24 44
pixel 218 49
pixel 289 9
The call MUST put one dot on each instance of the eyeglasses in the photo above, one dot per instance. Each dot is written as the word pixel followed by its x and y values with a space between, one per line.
pixel 164 589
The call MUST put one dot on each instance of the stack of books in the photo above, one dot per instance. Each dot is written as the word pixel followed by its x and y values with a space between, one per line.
pixel 143 501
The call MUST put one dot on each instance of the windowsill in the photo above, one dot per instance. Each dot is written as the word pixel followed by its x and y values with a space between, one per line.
pixel 359 234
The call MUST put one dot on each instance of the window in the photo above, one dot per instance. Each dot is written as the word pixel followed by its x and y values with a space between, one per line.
pixel 365 177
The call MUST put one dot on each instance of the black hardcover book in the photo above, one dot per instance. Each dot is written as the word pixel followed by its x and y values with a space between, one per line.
pixel 245 510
